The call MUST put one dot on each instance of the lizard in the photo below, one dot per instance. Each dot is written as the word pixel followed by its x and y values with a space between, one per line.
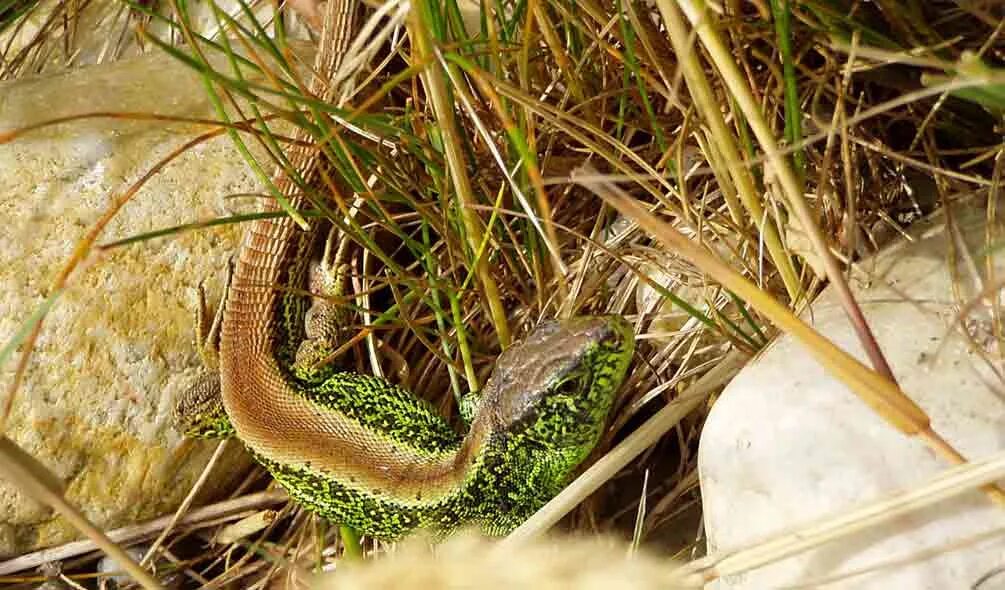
pixel 368 454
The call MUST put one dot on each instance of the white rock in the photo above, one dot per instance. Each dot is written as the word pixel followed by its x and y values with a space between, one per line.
pixel 787 444
pixel 117 347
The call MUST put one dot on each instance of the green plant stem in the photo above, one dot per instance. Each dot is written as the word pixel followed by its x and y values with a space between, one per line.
pixel 436 86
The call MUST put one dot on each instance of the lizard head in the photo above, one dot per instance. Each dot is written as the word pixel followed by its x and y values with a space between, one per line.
pixel 554 389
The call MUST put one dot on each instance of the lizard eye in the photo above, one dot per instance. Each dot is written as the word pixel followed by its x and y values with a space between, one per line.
pixel 572 382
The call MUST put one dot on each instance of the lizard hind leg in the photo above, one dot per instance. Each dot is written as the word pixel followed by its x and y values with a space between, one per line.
pixel 207 332
pixel 326 316
pixel 199 412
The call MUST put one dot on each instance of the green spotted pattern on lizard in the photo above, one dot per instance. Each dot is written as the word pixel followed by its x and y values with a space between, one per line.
pixel 363 452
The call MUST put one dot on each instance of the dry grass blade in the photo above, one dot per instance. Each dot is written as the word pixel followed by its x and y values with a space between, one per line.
pixel 698 15
pixel 187 502
pixel 37 482
pixel 725 142
pixel 881 394
pixel 205 516
pixel 245 527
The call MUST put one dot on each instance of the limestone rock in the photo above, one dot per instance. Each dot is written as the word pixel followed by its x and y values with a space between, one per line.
pixel 117 347
pixel 787 444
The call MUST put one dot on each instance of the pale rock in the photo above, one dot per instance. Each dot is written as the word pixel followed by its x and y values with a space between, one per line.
pixel 54 35
pixel 117 347
pixel 787 444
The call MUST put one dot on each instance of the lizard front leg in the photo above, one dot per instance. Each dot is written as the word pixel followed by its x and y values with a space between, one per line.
pixel 199 412
pixel 326 317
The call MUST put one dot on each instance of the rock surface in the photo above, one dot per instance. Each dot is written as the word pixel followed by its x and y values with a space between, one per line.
pixel 787 444
pixel 55 36
pixel 117 347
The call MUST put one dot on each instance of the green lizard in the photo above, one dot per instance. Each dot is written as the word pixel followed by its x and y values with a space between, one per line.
pixel 368 454
pixel 363 452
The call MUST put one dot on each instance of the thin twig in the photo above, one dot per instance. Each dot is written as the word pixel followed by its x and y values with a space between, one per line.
pixel 233 508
